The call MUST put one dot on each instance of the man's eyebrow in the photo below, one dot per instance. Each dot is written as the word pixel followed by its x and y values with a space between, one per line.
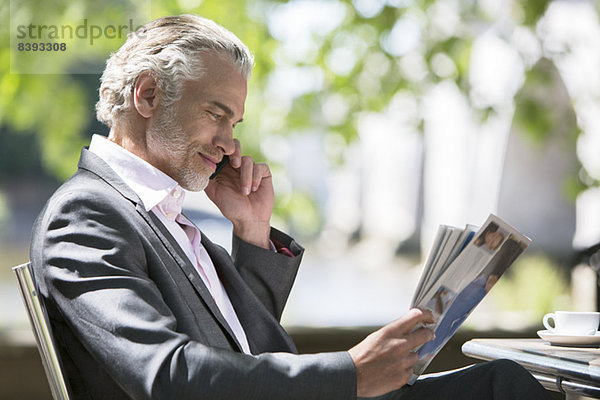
pixel 226 109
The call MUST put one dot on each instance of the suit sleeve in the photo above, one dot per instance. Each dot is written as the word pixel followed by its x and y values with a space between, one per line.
pixel 270 275
pixel 90 262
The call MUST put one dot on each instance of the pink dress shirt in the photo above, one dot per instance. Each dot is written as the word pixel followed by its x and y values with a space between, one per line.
pixel 163 196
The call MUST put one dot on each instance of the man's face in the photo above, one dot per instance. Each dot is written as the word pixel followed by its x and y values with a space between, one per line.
pixel 188 139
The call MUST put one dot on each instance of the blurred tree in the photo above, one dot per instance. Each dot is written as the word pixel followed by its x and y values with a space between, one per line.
pixel 540 116
pixel 341 58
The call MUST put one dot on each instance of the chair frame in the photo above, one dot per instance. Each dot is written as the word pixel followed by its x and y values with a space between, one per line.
pixel 40 325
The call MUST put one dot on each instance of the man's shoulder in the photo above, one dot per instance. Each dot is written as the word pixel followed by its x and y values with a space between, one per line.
pixel 84 193
pixel 84 201
pixel 85 185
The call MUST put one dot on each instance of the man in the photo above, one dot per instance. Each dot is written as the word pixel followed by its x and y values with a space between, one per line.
pixel 142 304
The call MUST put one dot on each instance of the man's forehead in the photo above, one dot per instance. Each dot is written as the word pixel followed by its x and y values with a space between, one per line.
pixel 225 85
pixel 228 94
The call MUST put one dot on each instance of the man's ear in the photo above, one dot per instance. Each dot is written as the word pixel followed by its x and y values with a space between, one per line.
pixel 144 94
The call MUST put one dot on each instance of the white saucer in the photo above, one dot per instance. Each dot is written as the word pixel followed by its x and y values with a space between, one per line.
pixel 570 340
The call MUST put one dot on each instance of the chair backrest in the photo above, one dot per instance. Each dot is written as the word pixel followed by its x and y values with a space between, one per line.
pixel 42 332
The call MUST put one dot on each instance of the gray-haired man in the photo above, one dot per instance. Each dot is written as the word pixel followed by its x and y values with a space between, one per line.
pixel 143 305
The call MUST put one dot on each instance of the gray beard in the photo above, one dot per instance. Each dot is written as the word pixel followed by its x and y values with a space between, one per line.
pixel 167 133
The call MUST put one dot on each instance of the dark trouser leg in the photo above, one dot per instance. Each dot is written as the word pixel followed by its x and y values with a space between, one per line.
pixel 495 380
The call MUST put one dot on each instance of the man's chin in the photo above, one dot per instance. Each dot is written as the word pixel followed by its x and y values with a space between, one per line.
pixel 194 182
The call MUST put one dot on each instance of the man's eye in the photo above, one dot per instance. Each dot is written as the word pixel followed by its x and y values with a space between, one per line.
pixel 215 116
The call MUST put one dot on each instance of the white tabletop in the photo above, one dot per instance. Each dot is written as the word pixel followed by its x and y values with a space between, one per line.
pixel 559 368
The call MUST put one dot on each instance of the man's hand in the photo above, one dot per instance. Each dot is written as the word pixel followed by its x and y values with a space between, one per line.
pixel 384 360
pixel 243 191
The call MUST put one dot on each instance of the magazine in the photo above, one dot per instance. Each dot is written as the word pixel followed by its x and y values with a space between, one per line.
pixel 461 268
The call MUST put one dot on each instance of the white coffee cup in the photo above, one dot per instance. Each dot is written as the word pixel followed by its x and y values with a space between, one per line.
pixel 572 322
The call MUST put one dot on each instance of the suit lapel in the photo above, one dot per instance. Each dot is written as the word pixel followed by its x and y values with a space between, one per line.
pixel 189 270
pixel 263 331
pixel 94 164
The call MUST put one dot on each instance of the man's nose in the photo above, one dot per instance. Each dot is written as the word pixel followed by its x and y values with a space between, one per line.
pixel 224 140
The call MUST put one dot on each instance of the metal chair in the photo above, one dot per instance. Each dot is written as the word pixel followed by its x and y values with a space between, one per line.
pixel 42 332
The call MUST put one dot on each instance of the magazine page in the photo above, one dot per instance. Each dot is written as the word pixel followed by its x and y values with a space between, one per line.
pixel 474 257
pixel 467 234
pixel 445 240
pixel 431 257
pixel 454 246
pixel 466 281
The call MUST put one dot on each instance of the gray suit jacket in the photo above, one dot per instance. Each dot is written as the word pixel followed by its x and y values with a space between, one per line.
pixel 133 318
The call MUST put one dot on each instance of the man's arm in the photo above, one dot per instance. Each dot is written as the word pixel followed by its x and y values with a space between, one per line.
pixel 269 275
pixel 384 360
pixel 91 261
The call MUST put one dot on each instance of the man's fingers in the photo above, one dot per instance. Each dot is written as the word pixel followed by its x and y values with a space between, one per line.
pixel 409 328
pixel 419 337
pixel 251 174
pixel 384 361
pixel 235 159
pixel 409 321
pixel 260 172
pixel 246 174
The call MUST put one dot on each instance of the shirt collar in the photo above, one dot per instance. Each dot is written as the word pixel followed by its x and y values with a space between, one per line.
pixel 150 184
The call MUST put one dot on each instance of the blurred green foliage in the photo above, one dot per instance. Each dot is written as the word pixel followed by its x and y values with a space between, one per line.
pixel 532 10
pixel 537 113
pixel 57 109
pixel 540 116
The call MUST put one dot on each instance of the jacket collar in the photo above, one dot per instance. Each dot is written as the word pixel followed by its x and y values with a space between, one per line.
pixel 151 184
pixel 94 164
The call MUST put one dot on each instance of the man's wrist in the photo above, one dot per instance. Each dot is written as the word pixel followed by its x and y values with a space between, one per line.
pixel 257 234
